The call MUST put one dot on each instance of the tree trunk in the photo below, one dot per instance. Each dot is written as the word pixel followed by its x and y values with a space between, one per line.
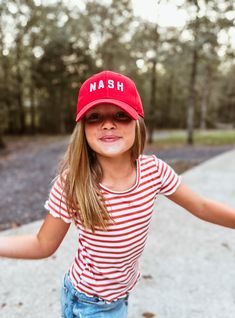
pixel 32 109
pixel 10 113
pixel 19 80
pixel 192 98
pixel 32 90
pixel 192 88
pixel 4 82
pixel 2 143
pixel 203 110
pixel 169 100
pixel 152 102
pixel 205 97
pixel 62 129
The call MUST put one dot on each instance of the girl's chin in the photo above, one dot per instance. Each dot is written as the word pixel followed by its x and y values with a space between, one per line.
pixel 112 153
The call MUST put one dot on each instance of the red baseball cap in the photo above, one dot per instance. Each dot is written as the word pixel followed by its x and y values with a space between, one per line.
pixel 109 88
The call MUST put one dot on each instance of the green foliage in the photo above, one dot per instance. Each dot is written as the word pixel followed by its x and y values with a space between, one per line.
pixel 207 137
pixel 55 48
pixel 111 25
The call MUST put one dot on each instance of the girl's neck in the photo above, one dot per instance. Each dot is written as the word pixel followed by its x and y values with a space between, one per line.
pixel 118 173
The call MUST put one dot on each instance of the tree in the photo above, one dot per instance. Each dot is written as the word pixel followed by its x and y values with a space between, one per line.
pixel 147 52
pixel 58 70
pixel 55 48
pixel 226 107
pixel 65 63
pixel 206 16
pixel 111 26
pixel 4 100
pixel 193 74
pixel 174 80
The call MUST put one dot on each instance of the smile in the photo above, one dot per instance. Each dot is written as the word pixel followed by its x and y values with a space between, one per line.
pixel 109 138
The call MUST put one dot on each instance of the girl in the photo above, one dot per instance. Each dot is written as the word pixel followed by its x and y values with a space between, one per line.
pixel 107 187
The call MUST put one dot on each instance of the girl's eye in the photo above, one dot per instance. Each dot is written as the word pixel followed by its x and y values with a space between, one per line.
pixel 122 116
pixel 93 118
pixel 96 118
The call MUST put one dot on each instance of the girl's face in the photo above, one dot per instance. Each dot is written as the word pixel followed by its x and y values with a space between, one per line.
pixel 110 132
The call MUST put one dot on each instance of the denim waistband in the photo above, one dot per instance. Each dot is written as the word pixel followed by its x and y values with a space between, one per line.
pixel 83 297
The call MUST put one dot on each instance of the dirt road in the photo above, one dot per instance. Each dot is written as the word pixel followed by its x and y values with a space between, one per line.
pixel 28 166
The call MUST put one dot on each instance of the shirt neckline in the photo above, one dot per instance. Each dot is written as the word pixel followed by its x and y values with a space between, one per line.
pixel 131 188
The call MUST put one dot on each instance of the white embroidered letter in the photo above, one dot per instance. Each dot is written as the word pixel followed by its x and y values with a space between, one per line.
pixel 101 84
pixel 110 84
pixel 92 87
pixel 120 86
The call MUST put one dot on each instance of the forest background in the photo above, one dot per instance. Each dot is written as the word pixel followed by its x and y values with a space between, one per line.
pixel 185 75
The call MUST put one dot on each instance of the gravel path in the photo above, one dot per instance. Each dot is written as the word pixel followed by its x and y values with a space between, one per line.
pixel 184 158
pixel 26 171
pixel 28 166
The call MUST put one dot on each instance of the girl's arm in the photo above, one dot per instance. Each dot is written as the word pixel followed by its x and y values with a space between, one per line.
pixel 41 245
pixel 207 210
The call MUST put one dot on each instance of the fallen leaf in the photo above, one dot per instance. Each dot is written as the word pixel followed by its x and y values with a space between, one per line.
pixel 226 246
pixel 14 225
pixel 147 276
pixel 148 315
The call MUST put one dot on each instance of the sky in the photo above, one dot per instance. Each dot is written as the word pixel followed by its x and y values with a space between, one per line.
pixel 166 15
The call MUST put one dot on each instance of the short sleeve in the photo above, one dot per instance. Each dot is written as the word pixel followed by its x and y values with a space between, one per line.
pixel 169 179
pixel 56 203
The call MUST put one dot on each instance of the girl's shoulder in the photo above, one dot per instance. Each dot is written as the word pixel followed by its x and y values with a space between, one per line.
pixel 62 176
pixel 153 161
pixel 144 159
pixel 147 161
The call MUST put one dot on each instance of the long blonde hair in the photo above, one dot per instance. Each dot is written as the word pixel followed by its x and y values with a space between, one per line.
pixel 81 175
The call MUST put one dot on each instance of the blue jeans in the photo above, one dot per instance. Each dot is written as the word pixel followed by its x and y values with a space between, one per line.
pixel 78 305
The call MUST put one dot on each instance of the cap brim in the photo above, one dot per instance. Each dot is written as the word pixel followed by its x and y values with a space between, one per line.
pixel 127 108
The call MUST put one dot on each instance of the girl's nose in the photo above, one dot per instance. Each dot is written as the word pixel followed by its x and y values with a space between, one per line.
pixel 108 123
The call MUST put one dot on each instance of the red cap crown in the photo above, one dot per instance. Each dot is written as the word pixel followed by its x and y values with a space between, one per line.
pixel 109 88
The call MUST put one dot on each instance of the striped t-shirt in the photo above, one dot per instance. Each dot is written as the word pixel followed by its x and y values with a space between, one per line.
pixel 106 262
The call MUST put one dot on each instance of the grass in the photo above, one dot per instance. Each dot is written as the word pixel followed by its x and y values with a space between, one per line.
pixel 162 138
pixel 206 137
pixel 36 137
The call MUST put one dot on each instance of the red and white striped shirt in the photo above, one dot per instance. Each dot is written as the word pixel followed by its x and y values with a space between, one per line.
pixel 106 262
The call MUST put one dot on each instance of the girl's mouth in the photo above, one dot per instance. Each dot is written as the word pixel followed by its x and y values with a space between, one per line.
pixel 109 138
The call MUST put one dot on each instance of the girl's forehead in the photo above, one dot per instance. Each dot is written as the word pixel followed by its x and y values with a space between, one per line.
pixel 105 108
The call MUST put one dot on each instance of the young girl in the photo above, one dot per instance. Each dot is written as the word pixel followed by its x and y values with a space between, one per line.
pixel 107 187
